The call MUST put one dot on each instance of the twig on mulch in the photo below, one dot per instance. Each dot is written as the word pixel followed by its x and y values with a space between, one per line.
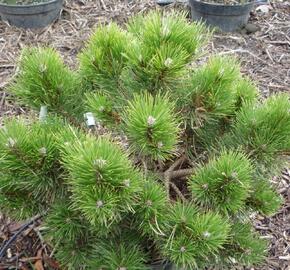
pixel 14 237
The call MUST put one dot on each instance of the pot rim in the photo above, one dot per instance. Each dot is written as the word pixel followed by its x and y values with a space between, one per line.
pixel 31 5
pixel 224 5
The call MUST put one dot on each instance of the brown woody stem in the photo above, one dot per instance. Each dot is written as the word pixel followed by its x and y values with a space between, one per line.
pixel 167 174
pixel 177 191
pixel 181 173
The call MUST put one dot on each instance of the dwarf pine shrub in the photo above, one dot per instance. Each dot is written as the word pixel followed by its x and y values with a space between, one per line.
pixel 176 159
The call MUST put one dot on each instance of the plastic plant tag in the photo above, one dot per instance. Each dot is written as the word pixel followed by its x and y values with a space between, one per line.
pixel 90 119
pixel 43 113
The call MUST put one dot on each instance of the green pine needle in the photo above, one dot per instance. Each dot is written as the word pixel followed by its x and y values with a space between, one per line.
pixel 43 79
pixel 224 183
pixel 100 175
pixel 156 29
pixel 100 206
pixel 103 107
pixel 264 198
pixel 64 224
pixel 121 256
pixel 154 71
pixel 14 200
pixel 30 159
pixel 152 126
pixel 102 60
pixel 193 236
pixel 77 254
pixel 245 246
pixel 103 212
pixel 212 232
pixel 182 215
pixel 246 92
pixel 263 129
pixel 182 252
pixel 98 163
pixel 211 94
pixel 164 45
pixel 151 209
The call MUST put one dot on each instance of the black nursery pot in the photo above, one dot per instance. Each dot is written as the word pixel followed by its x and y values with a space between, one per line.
pixel 226 17
pixel 32 15
pixel 163 266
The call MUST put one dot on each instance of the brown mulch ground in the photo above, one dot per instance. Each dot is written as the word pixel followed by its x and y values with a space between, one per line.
pixel 265 57
pixel 265 54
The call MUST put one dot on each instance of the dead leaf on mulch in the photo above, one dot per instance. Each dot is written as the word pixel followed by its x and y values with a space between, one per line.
pixel 51 262
pixel 38 264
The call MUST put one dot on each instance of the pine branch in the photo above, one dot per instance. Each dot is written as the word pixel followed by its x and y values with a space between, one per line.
pixel 178 192
pixel 167 174
pixel 176 163
pixel 181 173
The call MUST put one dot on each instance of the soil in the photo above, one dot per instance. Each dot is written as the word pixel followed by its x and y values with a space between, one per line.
pixel 265 57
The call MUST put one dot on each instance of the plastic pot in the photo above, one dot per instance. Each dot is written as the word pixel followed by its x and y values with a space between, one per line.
pixel 164 2
pixel 32 15
pixel 226 17
pixel 162 266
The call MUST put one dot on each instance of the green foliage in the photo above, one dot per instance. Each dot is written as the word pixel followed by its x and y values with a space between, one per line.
pixel 182 215
pixel 162 70
pixel 102 106
pixel 245 246
pixel 209 98
pixel 264 198
pixel 77 254
pixel 65 224
pixel 263 129
pixel 182 252
pixel 224 183
pixel 212 231
pixel 211 93
pixel 165 44
pixel 30 164
pixel 102 180
pixel 122 256
pixel 246 92
pixel 194 236
pixel 102 60
pixel 152 126
pixel 14 200
pixel 43 79
pixel 66 228
pixel 118 208
pixel 151 208
pixel 156 29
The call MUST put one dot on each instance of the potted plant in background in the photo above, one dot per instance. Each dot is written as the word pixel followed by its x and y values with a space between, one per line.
pixel 30 13
pixel 228 15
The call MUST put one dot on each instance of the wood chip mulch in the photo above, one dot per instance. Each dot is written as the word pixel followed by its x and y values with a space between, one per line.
pixel 265 57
